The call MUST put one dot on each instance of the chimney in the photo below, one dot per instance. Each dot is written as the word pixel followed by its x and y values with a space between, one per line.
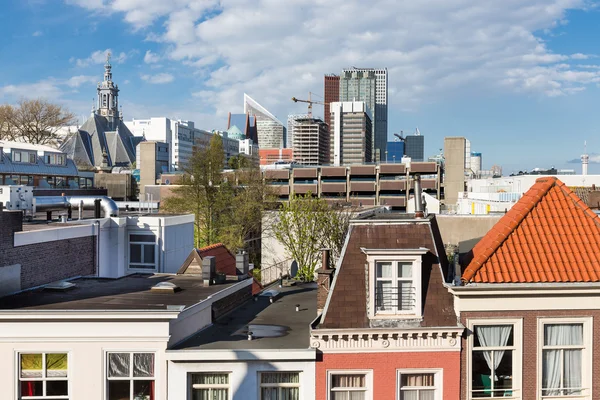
pixel 241 262
pixel 419 212
pixel 457 269
pixel 209 268
pixel 324 279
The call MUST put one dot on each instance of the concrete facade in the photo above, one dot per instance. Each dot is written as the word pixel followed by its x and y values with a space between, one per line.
pixel 454 168
pixel 152 161
pixel 350 131
pixel 310 141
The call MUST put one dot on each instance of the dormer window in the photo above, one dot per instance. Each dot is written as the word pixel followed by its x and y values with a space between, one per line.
pixel 54 159
pixel 395 282
pixel 24 156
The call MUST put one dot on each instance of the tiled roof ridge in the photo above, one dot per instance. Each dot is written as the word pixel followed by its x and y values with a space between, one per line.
pixel 578 202
pixel 511 220
pixel 210 247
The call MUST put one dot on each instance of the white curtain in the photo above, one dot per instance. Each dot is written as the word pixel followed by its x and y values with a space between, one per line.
pixel 143 365
pixel 118 365
pixel 570 367
pixel 493 336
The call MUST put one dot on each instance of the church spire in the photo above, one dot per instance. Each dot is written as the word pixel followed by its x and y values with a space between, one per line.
pixel 108 96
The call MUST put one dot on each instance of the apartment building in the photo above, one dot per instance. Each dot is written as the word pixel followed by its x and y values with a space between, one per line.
pixel 350 132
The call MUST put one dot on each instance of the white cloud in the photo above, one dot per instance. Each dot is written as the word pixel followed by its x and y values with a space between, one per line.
pixel 50 88
pixel 151 58
pixel 99 57
pixel 158 79
pixel 276 49
pixel 76 81
pixel 37 33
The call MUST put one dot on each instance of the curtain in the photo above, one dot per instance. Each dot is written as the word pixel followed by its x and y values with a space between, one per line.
pixel 348 381
pixel 209 393
pixel 570 367
pixel 143 365
pixel 118 365
pixel 493 336
pixel 280 377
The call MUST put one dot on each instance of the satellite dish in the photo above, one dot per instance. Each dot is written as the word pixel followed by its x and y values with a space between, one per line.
pixel 294 269
pixel 167 181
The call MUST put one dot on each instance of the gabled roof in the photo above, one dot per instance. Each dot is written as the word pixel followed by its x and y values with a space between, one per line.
pixel 550 235
pixel 346 306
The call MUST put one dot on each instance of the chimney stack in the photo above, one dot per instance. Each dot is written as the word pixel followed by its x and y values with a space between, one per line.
pixel 419 212
pixel 241 262
pixel 324 279
pixel 209 269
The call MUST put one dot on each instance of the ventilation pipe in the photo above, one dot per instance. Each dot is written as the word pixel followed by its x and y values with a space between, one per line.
pixel 52 203
pixel 419 212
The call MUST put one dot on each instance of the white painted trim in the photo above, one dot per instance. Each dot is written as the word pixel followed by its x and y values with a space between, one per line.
pixel 17 366
pixel 368 379
pixel 586 359
pixel 439 380
pixel 87 339
pixel 241 355
pixel 126 315
pixel 53 233
pixel 393 252
pixel 517 356
pixel 158 381
pixel 531 301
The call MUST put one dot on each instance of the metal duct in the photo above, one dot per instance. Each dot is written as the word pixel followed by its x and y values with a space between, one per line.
pixel 418 196
pixel 50 203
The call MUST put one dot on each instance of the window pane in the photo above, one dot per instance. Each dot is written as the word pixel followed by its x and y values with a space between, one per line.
pixel 384 269
pixel 572 372
pixel 348 381
pixel 210 394
pixel 406 299
pixel 481 382
pixel 280 377
pixel 493 335
pixel 143 365
pixel 57 388
pixel 135 253
pixel 56 365
pixel 118 390
pixel 563 334
pixel 417 380
pixel 32 158
pixel 118 365
pixel 210 379
pixel 268 394
pixel 142 238
pixel 31 388
pixel 143 390
pixel 31 365
pixel 386 296
pixel 149 254
pixel 404 270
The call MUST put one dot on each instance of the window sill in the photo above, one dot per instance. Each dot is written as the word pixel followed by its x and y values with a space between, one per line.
pixel 397 316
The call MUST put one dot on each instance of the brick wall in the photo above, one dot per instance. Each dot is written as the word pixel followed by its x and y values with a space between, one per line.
pixel 231 302
pixel 530 345
pixel 384 367
pixel 47 262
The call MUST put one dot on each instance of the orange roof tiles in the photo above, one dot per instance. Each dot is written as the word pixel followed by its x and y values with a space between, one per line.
pixel 550 235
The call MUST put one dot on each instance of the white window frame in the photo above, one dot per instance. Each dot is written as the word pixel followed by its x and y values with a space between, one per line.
pixel 438 380
pixel 414 256
pixel 212 385
pixel 279 385
pixel 129 243
pixel 131 378
pixel 368 373
pixel 586 355
pixel 517 324
pixel 43 378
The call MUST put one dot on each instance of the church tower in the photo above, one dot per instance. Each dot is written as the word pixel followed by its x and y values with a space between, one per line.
pixel 108 97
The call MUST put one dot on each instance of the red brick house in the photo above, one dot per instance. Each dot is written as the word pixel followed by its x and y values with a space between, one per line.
pixel 530 301
pixel 388 329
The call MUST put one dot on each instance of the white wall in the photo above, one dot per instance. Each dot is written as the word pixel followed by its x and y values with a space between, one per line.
pixel 243 378
pixel 86 344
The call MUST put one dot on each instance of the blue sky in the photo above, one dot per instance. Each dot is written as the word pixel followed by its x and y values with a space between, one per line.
pixel 519 78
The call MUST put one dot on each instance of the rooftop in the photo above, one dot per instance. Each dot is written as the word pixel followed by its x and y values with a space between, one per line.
pixel 549 235
pixel 27 146
pixel 131 292
pixel 289 329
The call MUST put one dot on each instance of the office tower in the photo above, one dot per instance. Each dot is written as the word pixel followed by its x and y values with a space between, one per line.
pixel 331 94
pixel 309 140
pixel 350 131
pixel 414 147
pixel 369 85
pixel 395 151
pixel 271 132
pixel 456 163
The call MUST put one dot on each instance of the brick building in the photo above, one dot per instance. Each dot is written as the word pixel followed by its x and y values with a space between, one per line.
pixel 529 300
pixel 388 328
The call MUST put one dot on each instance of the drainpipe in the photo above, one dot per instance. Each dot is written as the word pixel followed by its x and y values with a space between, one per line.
pixel 97 223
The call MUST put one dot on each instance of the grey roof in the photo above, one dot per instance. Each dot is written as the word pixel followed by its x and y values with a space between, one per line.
pixel 39 168
pixel 231 332
pixel 87 145
pixel 128 293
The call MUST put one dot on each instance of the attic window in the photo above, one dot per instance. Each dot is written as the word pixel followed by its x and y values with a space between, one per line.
pixel 395 282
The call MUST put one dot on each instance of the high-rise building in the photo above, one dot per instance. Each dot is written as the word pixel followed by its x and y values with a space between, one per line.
pixel 350 132
pixel 331 94
pixel 414 147
pixel 395 151
pixel 310 140
pixel 369 85
pixel 456 164
pixel 271 132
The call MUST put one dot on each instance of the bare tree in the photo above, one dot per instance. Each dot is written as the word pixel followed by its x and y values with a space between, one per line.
pixel 34 121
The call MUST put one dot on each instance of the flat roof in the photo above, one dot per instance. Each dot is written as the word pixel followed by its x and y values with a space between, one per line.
pixel 289 327
pixel 131 292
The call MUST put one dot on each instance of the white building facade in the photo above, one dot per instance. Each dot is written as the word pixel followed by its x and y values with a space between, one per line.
pixel 271 131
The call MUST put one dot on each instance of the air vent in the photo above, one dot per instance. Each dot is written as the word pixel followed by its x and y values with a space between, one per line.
pixel 165 287
pixel 60 286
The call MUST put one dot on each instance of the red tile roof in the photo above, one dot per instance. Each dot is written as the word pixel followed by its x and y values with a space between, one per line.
pixel 224 259
pixel 550 235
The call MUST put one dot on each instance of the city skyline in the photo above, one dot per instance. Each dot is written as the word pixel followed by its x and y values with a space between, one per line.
pixel 515 79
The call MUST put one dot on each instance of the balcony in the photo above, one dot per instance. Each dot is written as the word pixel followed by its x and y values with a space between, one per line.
pixel 423 167
pixel 282 174
pixel 305 173
pixel 394 300
pixel 333 172
pixel 362 201
pixel 362 170
pixel 393 169
pixel 428 184
pixel 397 186
pixel 333 187
pixel 393 201
pixel 303 188
pixel 358 186
pixel 280 190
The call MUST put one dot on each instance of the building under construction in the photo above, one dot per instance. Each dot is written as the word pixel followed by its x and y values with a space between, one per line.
pixel 310 140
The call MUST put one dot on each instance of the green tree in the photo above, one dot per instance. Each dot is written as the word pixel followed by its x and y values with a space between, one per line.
pixel 307 224
pixel 34 121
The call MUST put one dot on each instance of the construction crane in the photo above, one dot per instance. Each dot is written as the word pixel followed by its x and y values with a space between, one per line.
pixel 310 103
